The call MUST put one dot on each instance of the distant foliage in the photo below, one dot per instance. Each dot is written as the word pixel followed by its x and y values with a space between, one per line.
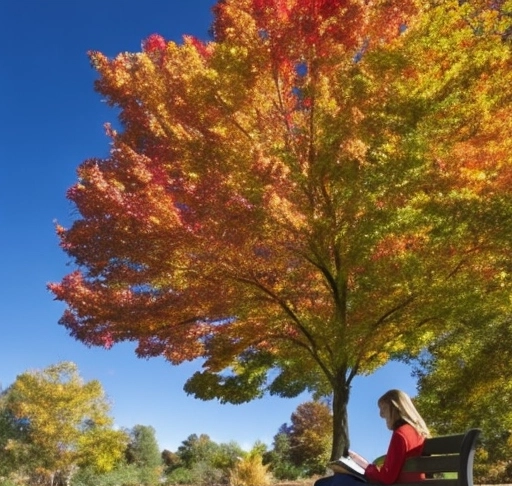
pixel 311 436
pixel 171 461
pixel 201 461
pixel 278 457
pixel 182 476
pixel 143 451
pixel 302 448
pixel 53 423
pixel 198 461
pixel 125 475
pixel 196 449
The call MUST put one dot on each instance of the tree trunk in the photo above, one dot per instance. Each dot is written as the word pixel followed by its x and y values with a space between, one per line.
pixel 340 436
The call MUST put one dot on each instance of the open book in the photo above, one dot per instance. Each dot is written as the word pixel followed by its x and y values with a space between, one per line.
pixel 351 464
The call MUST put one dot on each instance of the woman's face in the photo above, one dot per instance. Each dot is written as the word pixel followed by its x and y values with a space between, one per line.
pixel 385 413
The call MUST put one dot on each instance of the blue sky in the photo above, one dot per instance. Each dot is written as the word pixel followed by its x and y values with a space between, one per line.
pixel 50 121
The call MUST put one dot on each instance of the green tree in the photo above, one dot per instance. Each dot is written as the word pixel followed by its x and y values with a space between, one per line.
pixel 200 461
pixel 12 431
pixel 143 451
pixel 143 447
pixel 471 367
pixel 321 188
pixel 226 456
pixel 279 457
pixel 67 424
pixel 195 449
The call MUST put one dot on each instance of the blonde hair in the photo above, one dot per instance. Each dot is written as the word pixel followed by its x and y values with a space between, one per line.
pixel 402 408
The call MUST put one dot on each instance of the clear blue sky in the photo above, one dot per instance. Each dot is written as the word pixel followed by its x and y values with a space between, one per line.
pixel 50 121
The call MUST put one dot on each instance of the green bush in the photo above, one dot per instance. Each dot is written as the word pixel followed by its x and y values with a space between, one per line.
pixel 286 471
pixel 8 482
pixel 180 475
pixel 200 474
pixel 126 475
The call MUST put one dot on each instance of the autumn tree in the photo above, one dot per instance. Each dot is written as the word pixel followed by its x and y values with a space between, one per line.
pixel 302 448
pixel 472 369
pixel 310 436
pixel 66 424
pixel 467 364
pixel 320 188
pixel 170 460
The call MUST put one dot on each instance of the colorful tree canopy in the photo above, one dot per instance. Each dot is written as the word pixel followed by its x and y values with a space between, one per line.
pixel 320 188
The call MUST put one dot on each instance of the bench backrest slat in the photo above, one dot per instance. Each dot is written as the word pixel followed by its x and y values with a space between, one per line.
pixel 440 482
pixel 433 464
pixel 446 444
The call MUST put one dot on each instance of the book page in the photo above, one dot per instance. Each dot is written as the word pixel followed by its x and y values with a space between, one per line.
pixel 358 459
pixel 346 465
pixel 350 463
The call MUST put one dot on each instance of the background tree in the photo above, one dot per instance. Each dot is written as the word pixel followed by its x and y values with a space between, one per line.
pixel 473 355
pixel 101 449
pixel 196 449
pixel 12 431
pixel 279 458
pixel 310 437
pixel 170 460
pixel 227 455
pixel 143 451
pixel 321 188
pixel 204 462
pixel 477 363
pixel 302 448
pixel 65 421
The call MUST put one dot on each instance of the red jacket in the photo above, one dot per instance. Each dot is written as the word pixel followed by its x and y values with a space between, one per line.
pixel 405 442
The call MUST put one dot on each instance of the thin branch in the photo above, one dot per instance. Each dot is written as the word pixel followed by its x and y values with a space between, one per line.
pixel 313 350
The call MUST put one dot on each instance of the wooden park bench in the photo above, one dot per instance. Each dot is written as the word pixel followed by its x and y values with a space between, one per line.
pixel 444 455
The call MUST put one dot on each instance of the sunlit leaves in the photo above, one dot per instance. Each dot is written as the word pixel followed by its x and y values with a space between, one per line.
pixel 470 366
pixel 67 422
pixel 320 188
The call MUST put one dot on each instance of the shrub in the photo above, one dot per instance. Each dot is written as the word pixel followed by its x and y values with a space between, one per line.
pixel 286 471
pixel 180 475
pixel 200 474
pixel 125 475
pixel 250 471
